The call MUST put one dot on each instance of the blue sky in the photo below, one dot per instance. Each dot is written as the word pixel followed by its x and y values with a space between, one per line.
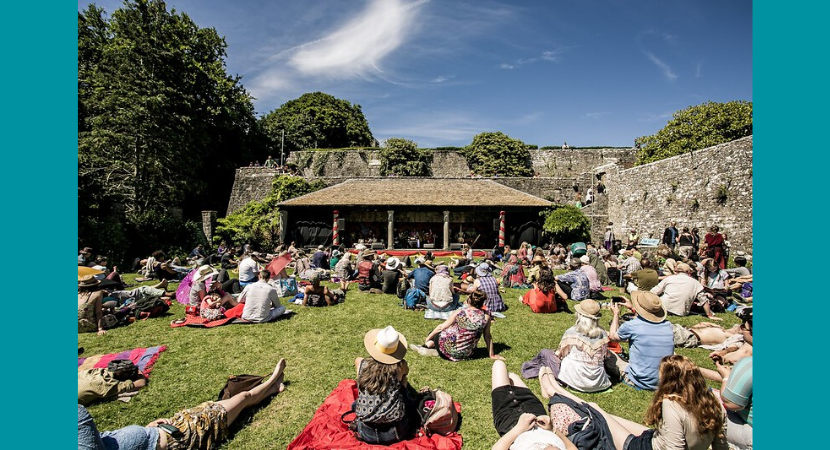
pixel 588 72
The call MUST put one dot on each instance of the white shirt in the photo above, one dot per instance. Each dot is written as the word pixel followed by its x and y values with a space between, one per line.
pixel 259 298
pixel 248 270
pixel 677 293
pixel 526 440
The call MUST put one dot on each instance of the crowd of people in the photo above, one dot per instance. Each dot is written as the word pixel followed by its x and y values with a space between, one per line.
pixel 468 294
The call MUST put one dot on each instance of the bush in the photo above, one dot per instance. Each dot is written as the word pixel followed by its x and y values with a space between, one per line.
pixel 566 224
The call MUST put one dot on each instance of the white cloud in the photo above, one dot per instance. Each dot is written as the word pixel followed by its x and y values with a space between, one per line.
pixel 596 115
pixel 442 78
pixel 358 47
pixel 506 66
pixel 663 66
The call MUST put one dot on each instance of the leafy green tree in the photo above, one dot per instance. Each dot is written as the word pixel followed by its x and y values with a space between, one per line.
pixel 697 127
pixel 403 157
pixel 566 224
pixel 317 120
pixel 495 153
pixel 259 221
pixel 160 122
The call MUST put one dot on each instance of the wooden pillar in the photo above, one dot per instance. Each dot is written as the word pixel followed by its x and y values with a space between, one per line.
pixel 284 227
pixel 446 230
pixel 390 234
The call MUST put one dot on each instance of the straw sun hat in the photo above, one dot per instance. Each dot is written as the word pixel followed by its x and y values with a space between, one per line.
pixel 648 306
pixel 386 345
pixel 204 273
pixel 588 308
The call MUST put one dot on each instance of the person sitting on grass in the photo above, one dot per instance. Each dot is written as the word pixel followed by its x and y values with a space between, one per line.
pixel 542 298
pixel 457 337
pixel 594 285
pixel 736 396
pixel 420 276
pixel 519 417
pixel 512 274
pixel 583 350
pixel 643 279
pixel 650 339
pixel 215 303
pixel 203 427
pixel 485 281
pixel 317 295
pixel 679 291
pixel 260 300
pixel 686 414
pixel 537 264
pixel 384 411
pixel 344 271
pixel 91 315
pixel 574 284
pixel 441 296
pixel 367 274
pixel 391 276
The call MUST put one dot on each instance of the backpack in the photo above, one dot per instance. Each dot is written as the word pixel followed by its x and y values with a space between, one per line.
pixel 403 286
pixel 413 297
pixel 438 412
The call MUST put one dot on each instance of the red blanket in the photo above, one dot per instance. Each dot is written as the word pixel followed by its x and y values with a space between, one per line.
pixel 327 431
pixel 199 322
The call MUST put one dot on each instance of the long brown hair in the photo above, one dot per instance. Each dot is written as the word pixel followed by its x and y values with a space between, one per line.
pixel 682 382
pixel 377 378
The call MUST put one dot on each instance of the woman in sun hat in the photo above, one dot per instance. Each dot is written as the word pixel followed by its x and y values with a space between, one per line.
pixel 391 275
pixel 90 313
pixel 198 289
pixel 582 351
pixel 383 409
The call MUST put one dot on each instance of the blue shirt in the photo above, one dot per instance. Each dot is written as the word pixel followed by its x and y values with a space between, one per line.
pixel 580 285
pixel 648 342
pixel 421 275
pixel 738 389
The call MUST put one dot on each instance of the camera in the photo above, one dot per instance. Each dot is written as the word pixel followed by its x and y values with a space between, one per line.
pixel 618 299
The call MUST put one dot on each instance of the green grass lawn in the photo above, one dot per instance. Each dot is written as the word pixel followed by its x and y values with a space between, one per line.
pixel 320 345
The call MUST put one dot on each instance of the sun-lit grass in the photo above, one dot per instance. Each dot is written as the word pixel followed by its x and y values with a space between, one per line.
pixel 320 345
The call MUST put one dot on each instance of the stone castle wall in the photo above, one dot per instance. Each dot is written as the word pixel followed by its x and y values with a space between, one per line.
pixel 698 189
pixel 707 187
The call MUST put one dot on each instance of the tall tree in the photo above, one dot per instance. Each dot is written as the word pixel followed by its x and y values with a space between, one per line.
pixel 495 153
pixel 403 157
pixel 697 127
pixel 160 122
pixel 317 120
pixel 566 224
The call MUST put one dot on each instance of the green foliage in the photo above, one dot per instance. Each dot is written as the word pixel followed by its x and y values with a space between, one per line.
pixel 402 157
pixel 722 194
pixel 495 153
pixel 317 120
pixel 259 221
pixel 566 224
pixel 697 127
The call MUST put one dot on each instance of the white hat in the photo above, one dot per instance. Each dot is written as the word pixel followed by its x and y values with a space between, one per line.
pixel 360 247
pixel 386 346
pixel 585 259
pixel 392 263
pixel 203 273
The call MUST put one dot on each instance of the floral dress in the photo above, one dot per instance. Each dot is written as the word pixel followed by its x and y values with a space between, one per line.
pixel 459 340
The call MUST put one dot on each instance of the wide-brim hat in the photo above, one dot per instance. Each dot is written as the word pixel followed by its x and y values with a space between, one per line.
pixel 392 263
pixel 648 306
pixel 584 259
pixel 203 273
pixel 386 345
pixel 88 281
pixel 442 269
pixel 538 259
pixel 369 253
pixel 483 269
pixel 588 308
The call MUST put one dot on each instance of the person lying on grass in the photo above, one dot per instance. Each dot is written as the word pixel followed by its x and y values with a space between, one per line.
pixel 203 427
pixel 684 411
pixel 520 418
pixel 458 336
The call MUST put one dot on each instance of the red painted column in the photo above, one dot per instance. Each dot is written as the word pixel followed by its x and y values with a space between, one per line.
pixel 501 229
pixel 335 239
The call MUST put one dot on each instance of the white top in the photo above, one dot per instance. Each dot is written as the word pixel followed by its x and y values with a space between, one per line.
pixel 537 439
pixel 677 293
pixel 584 373
pixel 248 270
pixel 259 298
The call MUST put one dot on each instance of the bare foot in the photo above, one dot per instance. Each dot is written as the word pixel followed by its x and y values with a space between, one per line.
pixel 714 318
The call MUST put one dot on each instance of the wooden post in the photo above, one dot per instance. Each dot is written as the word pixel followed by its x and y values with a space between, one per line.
pixel 390 235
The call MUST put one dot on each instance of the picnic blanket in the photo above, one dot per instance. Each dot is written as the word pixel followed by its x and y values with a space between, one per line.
pixel 144 358
pixel 327 431
pixel 199 322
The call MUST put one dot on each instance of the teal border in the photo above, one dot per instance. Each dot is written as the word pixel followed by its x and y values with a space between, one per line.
pixel 789 44
pixel 39 189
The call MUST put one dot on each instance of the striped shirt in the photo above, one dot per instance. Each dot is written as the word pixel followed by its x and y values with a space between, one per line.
pixel 738 389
